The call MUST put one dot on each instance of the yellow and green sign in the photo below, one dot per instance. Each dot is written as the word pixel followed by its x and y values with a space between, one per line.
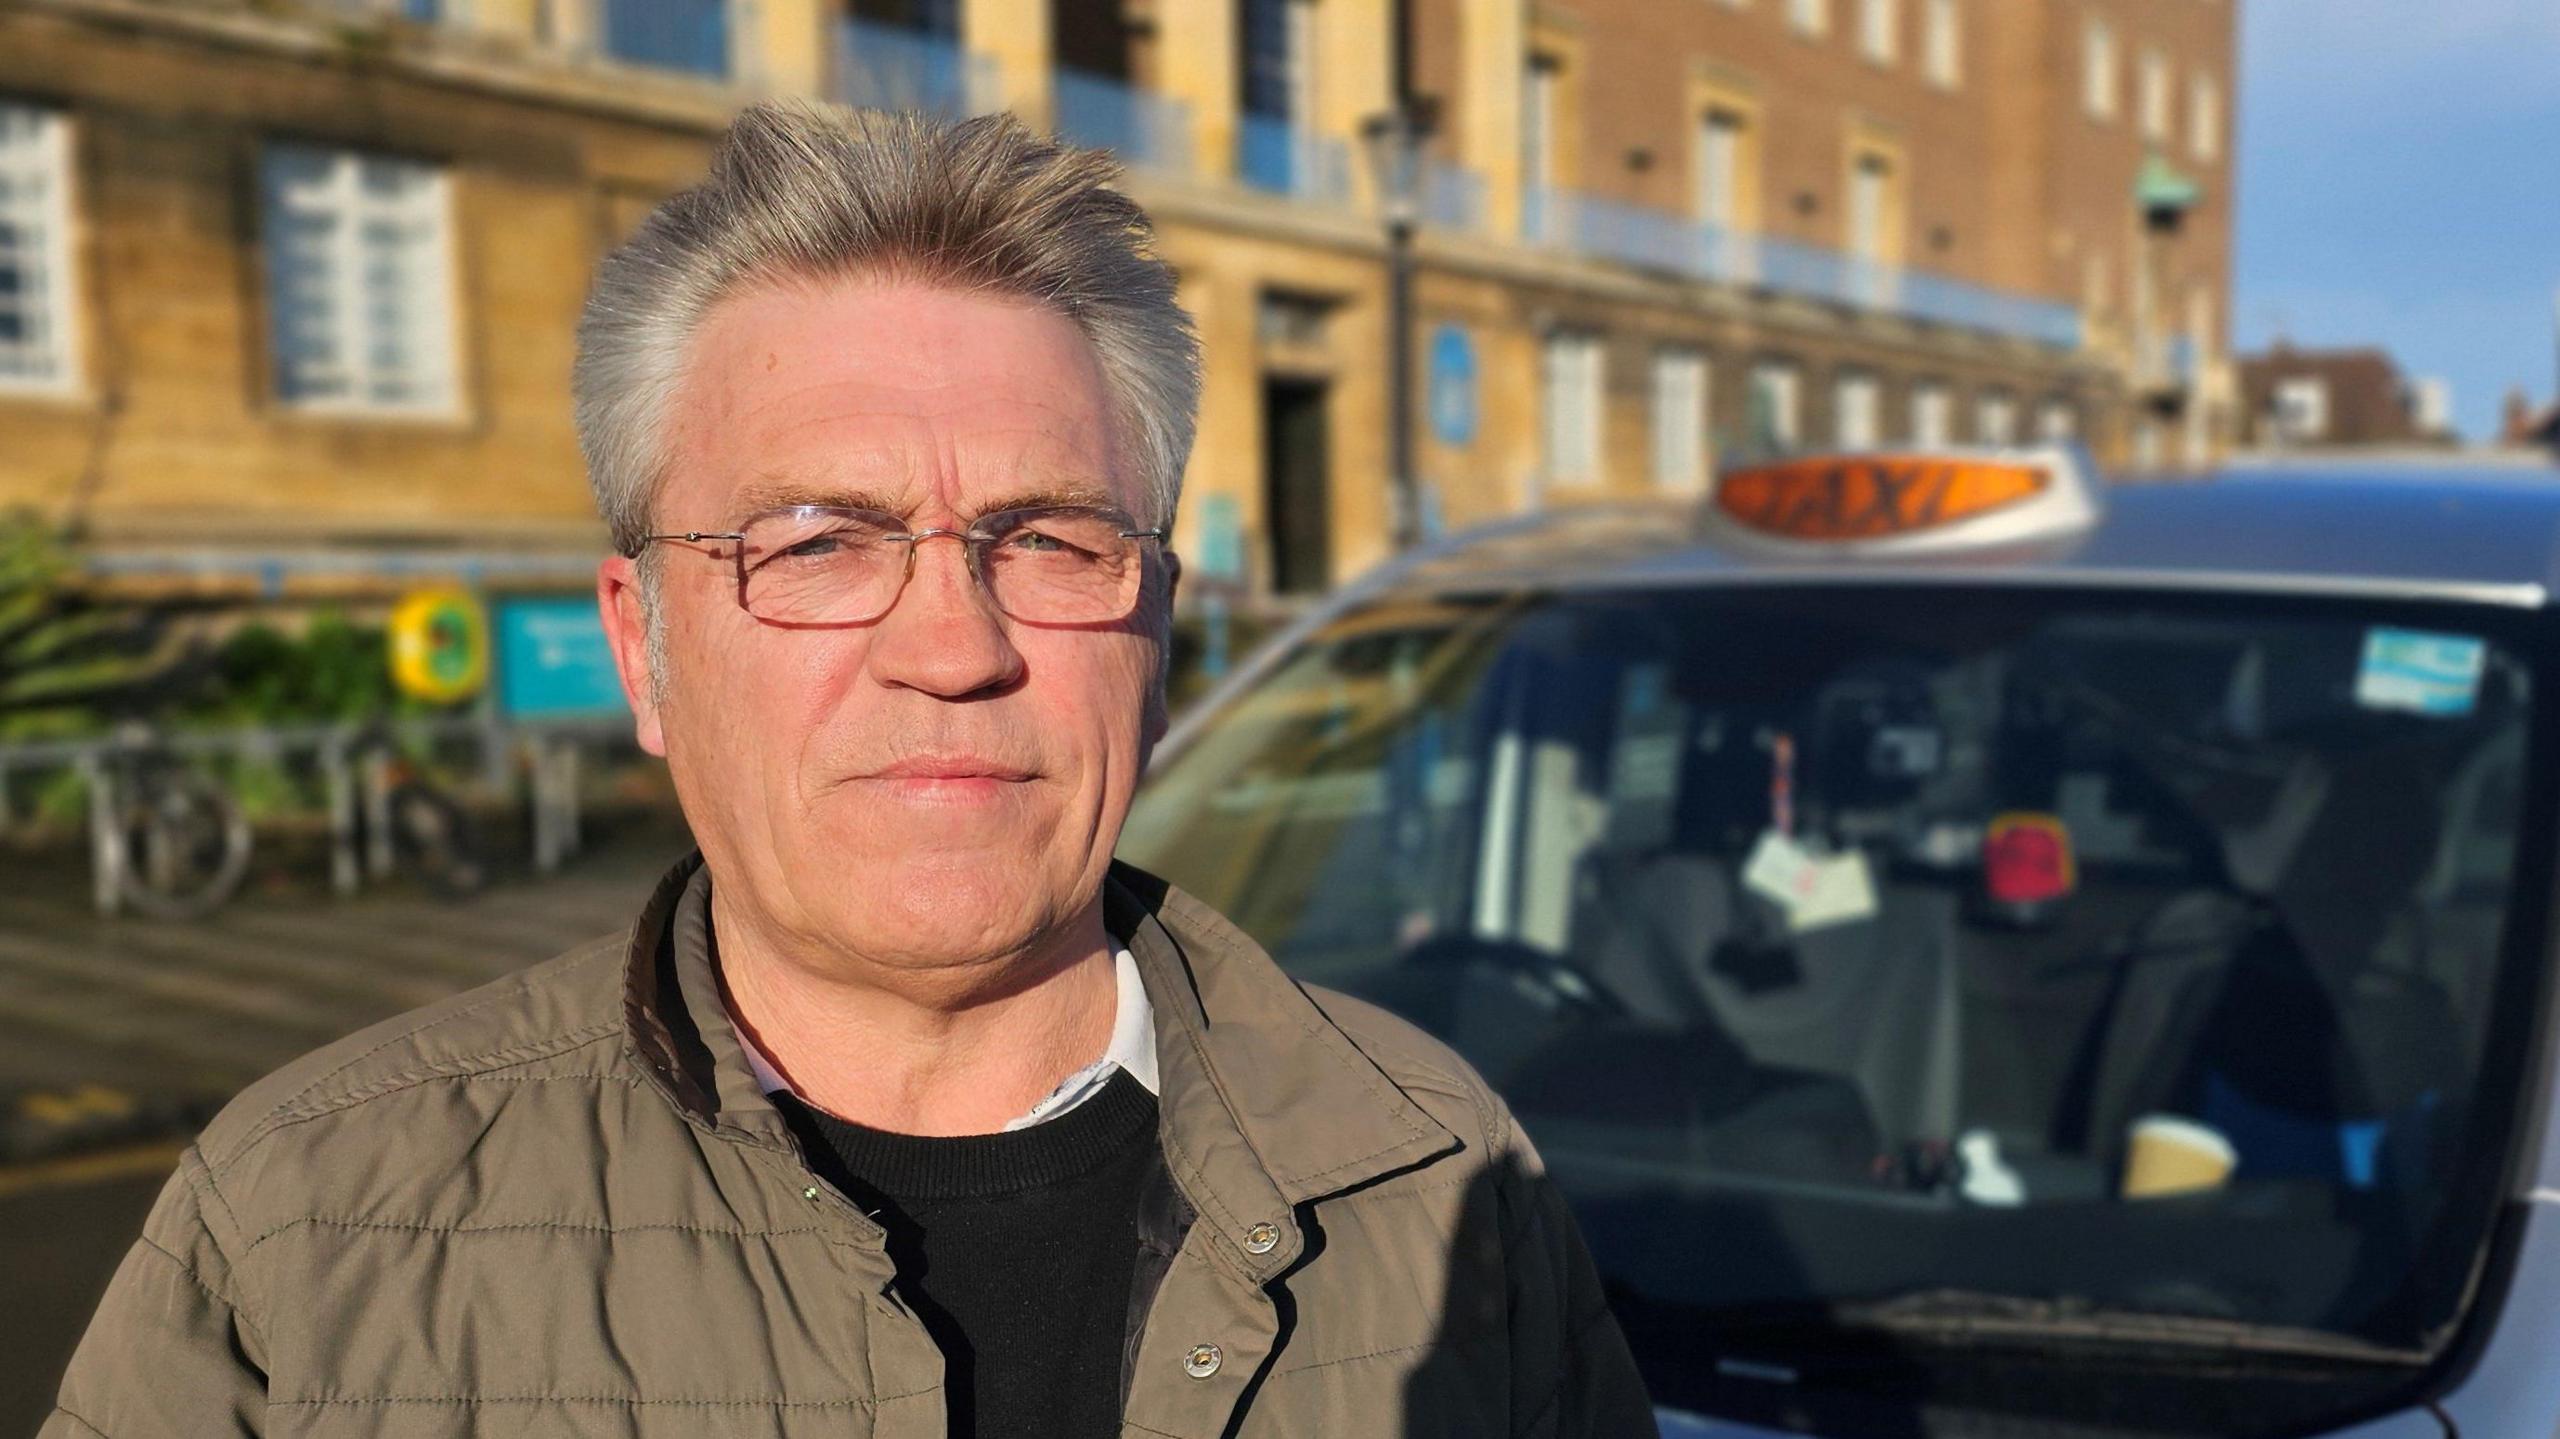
pixel 440 645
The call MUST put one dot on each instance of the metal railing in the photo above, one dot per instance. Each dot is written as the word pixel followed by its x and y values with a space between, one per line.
pixel 1651 239
pixel 687 35
pixel 1452 197
pixel 1146 130
pixel 1274 155
pixel 884 67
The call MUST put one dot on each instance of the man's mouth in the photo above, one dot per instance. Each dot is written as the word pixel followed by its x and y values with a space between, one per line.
pixel 946 778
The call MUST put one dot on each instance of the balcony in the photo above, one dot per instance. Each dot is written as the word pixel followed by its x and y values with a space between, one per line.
pixel 687 35
pixel 1650 239
pixel 1273 155
pixel 884 67
pixel 1452 198
pixel 1147 131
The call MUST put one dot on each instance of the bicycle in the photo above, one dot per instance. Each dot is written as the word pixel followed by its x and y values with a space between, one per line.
pixel 171 842
pixel 407 820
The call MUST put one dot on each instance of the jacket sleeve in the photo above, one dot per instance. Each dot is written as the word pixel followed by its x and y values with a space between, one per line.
pixel 172 1349
pixel 1572 1374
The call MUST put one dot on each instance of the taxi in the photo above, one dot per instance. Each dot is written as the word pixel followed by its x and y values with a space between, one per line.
pixel 1984 951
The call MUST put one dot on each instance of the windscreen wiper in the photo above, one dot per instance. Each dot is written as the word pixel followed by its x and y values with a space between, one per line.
pixel 1968 1314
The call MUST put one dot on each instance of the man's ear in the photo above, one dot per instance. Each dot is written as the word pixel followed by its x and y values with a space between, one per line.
pixel 626 630
pixel 1159 716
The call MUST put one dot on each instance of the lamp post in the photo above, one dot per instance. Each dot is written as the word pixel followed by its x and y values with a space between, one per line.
pixel 1393 139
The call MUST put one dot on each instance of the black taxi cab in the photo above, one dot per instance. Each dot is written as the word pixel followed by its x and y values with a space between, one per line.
pixel 1984 951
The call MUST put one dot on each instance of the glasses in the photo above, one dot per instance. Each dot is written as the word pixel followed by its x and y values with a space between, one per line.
pixel 829 565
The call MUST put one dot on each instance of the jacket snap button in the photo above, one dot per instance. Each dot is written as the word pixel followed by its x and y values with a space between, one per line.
pixel 809 1193
pixel 1202 1361
pixel 1262 1238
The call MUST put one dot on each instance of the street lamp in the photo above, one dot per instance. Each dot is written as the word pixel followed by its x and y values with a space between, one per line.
pixel 1393 140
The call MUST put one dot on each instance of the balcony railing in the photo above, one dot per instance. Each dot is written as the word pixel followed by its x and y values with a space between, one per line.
pixel 1653 239
pixel 688 35
pixel 1452 198
pixel 1148 131
pixel 883 67
pixel 1273 155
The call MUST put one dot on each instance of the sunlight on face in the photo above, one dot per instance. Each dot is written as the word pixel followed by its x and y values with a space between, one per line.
pixel 942 785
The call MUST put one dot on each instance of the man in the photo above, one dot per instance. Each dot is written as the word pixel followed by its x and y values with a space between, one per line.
pixel 900 1111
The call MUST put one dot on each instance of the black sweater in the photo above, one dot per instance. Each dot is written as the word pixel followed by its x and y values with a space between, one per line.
pixel 1017 1250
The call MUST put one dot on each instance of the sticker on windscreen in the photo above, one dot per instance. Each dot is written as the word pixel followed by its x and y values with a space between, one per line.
pixel 2420 672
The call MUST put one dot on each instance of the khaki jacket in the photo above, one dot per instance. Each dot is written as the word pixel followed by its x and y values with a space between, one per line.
pixel 560 1205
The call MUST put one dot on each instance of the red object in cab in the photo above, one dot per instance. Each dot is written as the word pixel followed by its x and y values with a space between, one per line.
pixel 2026 859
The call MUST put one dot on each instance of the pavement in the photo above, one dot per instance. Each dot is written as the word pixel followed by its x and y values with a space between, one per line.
pixel 119 1036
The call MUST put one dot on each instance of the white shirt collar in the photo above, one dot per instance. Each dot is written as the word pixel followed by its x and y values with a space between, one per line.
pixel 1132 1047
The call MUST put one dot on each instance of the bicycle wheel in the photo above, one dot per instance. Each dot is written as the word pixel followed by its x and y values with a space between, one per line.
pixel 436 835
pixel 186 847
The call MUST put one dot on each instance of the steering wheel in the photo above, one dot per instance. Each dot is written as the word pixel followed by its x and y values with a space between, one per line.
pixel 1555 980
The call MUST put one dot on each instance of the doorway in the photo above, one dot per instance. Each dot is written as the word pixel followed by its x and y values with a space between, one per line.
pixel 1297 499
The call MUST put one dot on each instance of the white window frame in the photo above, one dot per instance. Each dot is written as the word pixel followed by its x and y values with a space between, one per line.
pixel 35 153
pixel 1681 386
pixel 341 194
pixel 1942 44
pixel 2301 409
pixel 1995 418
pixel 1879 30
pixel 2157 89
pixel 1573 417
pixel 1717 183
pixel 1809 17
pixel 1298 28
pixel 1857 410
pixel 2057 422
pixel 1933 416
pixel 1870 195
pixel 1540 83
pixel 2204 118
pixel 2098 69
pixel 1783 383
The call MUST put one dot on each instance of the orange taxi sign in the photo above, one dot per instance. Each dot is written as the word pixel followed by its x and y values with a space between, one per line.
pixel 1873 497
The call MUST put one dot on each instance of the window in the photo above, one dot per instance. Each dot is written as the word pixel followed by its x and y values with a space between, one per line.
pixel 1933 417
pixel 1869 180
pixel 1995 419
pixel 1856 406
pixel 1877 22
pixel 1809 17
pixel 1680 420
pixel 1538 96
pixel 2155 96
pixel 2302 409
pixel 2098 70
pixel 1575 386
pixel 1719 180
pixel 2204 118
pixel 35 251
pixel 2057 422
pixel 359 280
pixel 1942 45
pixel 1775 403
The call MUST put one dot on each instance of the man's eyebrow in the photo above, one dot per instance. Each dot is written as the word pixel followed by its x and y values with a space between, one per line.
pixel 769 496
pixel 1070 496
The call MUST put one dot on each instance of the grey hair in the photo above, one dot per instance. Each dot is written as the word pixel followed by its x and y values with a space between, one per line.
pixel 800 190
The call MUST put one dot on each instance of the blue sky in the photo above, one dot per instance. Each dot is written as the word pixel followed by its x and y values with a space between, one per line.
pixel 2400 185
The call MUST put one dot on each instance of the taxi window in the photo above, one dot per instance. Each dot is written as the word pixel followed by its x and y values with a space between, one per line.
pixel 2130 954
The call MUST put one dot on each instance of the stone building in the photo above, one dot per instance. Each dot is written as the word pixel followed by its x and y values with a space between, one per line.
pixel 2336 398
pixel 287 286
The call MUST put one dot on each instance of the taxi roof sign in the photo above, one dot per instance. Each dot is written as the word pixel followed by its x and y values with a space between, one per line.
pixel 1906 499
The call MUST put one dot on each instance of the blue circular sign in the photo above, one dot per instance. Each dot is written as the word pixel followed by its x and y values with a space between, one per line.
pixel 1452 393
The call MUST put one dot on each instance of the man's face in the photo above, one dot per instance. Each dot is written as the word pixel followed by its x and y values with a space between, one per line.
pixel 942 785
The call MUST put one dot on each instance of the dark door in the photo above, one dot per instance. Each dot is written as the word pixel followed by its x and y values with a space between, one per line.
pixel 1295 500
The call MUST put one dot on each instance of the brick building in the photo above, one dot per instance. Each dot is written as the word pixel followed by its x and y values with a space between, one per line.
pixel 2331 398
pixel 286 290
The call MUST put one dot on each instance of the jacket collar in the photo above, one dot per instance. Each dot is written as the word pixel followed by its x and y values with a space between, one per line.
pixel 1265 1104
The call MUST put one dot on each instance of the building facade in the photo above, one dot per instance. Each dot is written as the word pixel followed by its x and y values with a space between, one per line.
pixel 287 291
pixel 2336 398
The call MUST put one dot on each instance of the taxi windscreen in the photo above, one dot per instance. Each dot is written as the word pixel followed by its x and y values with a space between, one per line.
pixel 1905 981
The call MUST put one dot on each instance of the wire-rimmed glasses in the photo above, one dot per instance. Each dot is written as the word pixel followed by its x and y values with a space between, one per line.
pixel 836 565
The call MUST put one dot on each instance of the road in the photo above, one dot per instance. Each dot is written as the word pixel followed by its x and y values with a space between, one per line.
pixel 116 1034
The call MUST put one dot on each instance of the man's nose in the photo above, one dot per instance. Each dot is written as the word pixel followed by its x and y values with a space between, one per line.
pixel 944 635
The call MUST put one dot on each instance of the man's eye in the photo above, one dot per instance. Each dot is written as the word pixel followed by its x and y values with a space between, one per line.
pixel 814 547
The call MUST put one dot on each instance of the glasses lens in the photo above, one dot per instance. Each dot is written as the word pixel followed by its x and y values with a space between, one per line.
pixel 1061 566
pixel 822 567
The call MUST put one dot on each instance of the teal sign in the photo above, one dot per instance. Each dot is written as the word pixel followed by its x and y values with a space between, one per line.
pixel 1221 556
pixel 1451 398
pixel 553 661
